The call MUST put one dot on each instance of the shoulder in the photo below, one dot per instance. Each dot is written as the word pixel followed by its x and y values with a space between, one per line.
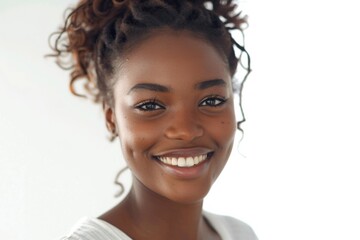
pixel 95 229
pixel 230 228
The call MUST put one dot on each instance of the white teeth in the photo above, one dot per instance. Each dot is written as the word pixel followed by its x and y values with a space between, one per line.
pixel 183 162
pixel 196 160
pixel 189 161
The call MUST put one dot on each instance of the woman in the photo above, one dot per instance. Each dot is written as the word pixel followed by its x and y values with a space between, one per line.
pixel 163 71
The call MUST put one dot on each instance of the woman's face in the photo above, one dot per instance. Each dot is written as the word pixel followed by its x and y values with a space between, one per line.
pixel 173 110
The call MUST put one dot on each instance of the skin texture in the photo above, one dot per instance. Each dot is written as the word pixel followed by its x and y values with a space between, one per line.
pixel 189 112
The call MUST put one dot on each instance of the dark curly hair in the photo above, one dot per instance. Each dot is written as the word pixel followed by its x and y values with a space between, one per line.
pixel 98 32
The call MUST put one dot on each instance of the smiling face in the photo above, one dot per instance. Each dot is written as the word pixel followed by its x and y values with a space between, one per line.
pixel 173 110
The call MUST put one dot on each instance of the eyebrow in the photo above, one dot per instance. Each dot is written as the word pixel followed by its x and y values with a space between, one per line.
pixel 210 83
pixel 149 86
pixel 160 88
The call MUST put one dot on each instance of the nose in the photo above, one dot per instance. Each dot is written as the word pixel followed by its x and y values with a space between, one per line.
pixel 184 125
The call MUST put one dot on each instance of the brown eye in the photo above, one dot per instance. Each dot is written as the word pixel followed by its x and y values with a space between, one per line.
pixel 214 101
pixel 149 106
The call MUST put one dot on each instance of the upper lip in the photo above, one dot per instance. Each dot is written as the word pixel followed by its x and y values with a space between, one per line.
pixel 184 152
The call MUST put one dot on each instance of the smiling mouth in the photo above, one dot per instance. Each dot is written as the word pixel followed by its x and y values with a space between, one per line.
pixel 184 162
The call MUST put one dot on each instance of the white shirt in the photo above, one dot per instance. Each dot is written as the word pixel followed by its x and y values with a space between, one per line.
pixel 228 228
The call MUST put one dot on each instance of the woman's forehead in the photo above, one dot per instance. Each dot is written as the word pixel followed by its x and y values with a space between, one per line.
pixel 175 57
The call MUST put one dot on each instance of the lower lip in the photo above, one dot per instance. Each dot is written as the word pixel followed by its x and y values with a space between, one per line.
pixel 186 173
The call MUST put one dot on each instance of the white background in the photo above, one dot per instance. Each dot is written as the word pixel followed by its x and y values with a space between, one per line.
pixel 294 176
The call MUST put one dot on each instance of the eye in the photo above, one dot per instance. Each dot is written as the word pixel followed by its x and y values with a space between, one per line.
pixel 150 105
pixel 213 101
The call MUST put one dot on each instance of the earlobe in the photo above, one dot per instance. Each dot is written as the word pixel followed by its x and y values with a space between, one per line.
pixel 110 121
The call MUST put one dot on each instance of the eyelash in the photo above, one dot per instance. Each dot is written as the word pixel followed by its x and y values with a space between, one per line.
pixel 153 104
pixel 220 100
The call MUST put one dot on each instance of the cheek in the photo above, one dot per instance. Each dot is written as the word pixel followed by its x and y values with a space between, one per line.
pixel 136 136
pixel 223 129
pixel 223 132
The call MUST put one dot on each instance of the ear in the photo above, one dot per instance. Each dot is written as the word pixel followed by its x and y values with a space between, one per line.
pixel 110 119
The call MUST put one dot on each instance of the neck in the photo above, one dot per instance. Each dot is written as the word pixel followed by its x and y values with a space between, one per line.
pixel 145 214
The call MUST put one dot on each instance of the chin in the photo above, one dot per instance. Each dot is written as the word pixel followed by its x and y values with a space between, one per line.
pixel 187 192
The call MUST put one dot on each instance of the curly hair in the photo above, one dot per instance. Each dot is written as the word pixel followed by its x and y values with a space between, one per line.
pixel 98 32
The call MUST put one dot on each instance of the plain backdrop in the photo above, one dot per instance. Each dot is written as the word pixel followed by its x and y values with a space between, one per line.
pixel 295 175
